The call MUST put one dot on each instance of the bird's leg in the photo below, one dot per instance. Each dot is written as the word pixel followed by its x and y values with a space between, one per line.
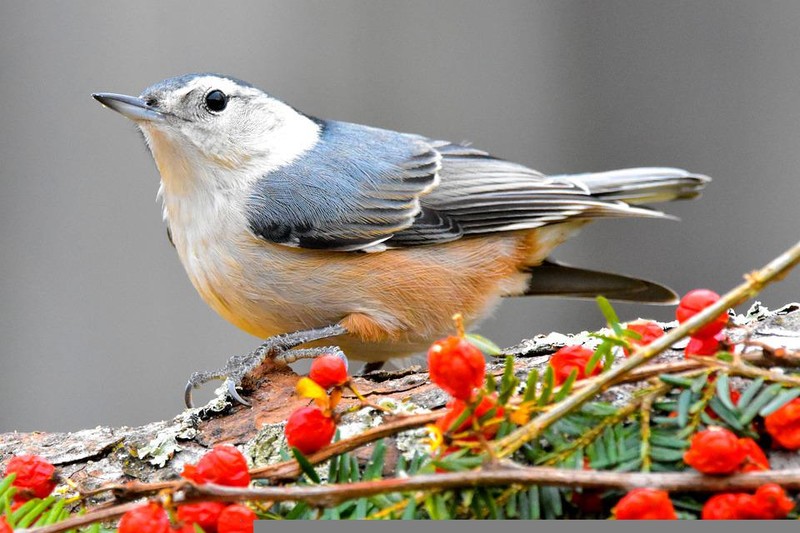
pixel 277 348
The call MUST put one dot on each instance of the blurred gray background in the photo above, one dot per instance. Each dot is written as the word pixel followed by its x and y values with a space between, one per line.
pixel 98 322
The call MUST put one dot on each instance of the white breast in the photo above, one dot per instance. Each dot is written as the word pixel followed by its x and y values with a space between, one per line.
pixel 236 274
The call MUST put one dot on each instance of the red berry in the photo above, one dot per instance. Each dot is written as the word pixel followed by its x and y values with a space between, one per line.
pixel 35 476
pixel 224 465
pixel 645 504
pixel 648 332
pixel 309 429
pixel 204 514
pixel 328 371
pixel 770 502
pixel 148 518
pixel 702 346
pixel 457 366
pixel 726 506
pixel 714 451
pixel 569 358
pixel 755 460
pixel 236 518
pixel 784 425
pixel 695 301
pixel 455 408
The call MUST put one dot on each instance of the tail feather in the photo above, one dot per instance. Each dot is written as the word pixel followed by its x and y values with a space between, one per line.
pixel 554 279
pixel 627 188
pixel 644 185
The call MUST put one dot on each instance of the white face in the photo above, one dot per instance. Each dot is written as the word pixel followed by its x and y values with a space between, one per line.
pixel 211 125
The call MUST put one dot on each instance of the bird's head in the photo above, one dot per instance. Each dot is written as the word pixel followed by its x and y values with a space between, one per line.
pixel 211 126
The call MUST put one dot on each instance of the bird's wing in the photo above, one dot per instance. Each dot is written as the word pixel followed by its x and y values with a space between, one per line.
pixel 478 193
pixel 359 187
pixel 355 188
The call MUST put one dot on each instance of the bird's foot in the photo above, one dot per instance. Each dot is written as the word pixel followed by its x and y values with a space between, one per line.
pixel 278 348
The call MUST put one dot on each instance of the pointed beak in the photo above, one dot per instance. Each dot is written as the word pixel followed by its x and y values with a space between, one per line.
pixel 129 106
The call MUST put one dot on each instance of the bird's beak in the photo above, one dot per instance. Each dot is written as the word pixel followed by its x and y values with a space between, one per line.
pixel 129 106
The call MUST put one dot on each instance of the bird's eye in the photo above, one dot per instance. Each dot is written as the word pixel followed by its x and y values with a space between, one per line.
pixel 216 100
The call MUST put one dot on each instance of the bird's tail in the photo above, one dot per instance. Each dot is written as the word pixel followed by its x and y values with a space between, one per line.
pixel 645 185
pixel 556 279
pixel 626 187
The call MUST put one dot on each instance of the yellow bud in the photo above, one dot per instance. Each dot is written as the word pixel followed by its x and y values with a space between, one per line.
pixel 521 415
pixel 308 388
pixel 436 438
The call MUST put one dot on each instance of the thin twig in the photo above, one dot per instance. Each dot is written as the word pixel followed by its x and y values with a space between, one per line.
pixel 755 281
pixel 751 371
pixel 775 356
pixel 327 495
pixel 644 451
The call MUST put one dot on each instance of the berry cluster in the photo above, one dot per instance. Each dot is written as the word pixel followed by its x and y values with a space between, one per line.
pixel 223 465
pixel 473 415
pixel 576 358
pixel 35 477
pixel 311 428
pixel 769 502
pixel 212 517
pixel 718 451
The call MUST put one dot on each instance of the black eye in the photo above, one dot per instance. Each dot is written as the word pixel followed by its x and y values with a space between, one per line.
pixel 216 100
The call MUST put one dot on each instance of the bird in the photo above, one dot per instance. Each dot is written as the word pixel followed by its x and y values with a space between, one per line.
pixel 304 231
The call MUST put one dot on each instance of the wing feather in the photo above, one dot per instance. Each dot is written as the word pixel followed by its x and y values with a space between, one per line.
pixel 359 187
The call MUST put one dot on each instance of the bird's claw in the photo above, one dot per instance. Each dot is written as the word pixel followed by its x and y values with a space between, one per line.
pixel 234 393
pixel 278 348
pixel 187 394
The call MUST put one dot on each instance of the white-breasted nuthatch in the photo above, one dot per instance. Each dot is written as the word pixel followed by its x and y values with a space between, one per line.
pixel 289 223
